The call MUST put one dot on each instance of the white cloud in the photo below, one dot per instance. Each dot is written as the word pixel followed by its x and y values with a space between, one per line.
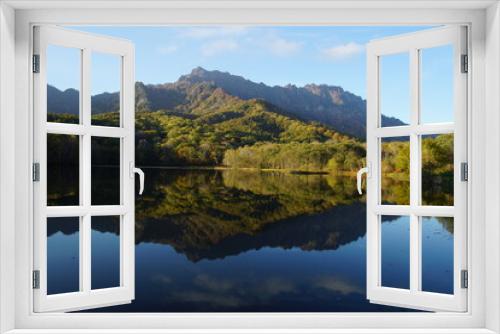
pixel 217 47
pixel 274 44
pixel 214 32
pixel 230 38
pixel 341 286
pixel 343 51
pixel 282 47
pixel 213 283
pixel 168 49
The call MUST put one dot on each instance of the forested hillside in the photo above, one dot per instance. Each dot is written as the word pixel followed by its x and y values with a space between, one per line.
pixel 216 127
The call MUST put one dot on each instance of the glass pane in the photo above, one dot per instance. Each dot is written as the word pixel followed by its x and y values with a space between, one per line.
pixel 437 254
pixel 63 156
pixel 63 84
pixel 63 255
pixel 106 87
pixel 395 241
pixel 437 169
pixel 105 252
pixel 436 84
pixel 105 171
pixel 394 90
pixel 395 170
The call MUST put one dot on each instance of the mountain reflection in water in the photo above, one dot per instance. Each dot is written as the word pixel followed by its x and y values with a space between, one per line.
pixel 248 241
pixel 215 214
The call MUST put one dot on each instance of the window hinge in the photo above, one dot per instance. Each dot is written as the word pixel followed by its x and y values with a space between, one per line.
pixel 36 279
pixel 36 63
pixel 36 172
pixel 464 284
pixel 465 63
pixel 464 171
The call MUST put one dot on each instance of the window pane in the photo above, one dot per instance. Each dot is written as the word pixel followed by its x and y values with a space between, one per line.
pixel 395 239
pixel 437 169
pixel 395 170
pixel 63 84
pixel 106 87
pixel 63 155
pixel 105 252
pixel 394 89
pixel 105 171
pixel 437 254
pixel 436 84
pixel 63 255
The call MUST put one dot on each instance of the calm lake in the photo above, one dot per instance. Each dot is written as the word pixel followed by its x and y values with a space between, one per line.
pixel 248 241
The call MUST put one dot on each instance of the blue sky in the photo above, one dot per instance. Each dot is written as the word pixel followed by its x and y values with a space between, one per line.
pixel 273 55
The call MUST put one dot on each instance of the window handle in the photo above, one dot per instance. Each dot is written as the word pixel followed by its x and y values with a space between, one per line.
pixel 134 170
pixel 359 175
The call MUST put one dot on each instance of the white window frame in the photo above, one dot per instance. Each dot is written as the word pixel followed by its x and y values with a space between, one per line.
pixel 16 213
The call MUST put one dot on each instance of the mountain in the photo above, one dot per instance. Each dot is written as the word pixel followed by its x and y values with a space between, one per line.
pixel 62 102
pixel 332 106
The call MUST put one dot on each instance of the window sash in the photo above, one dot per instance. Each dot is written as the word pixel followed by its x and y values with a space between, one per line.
pixel 86 297
pixel 414 297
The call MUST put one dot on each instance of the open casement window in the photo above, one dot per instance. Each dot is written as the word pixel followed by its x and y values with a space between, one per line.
pixel 421 79
pixel 83 171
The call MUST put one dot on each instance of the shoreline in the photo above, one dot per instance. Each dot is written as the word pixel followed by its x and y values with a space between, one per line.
pixel 290 171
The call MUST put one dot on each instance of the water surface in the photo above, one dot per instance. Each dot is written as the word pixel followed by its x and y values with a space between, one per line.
pixel 250 241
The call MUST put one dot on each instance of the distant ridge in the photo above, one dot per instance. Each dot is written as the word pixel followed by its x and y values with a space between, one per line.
pixel 332 106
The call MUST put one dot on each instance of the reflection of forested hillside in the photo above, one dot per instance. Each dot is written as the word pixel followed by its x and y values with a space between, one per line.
pixel 207 214
pixel 323 231
pixel 202 212
pixel 249 197
pixel 217 213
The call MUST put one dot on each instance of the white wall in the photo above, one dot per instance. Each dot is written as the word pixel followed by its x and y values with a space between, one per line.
pixel 7 184
pixel 492 211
